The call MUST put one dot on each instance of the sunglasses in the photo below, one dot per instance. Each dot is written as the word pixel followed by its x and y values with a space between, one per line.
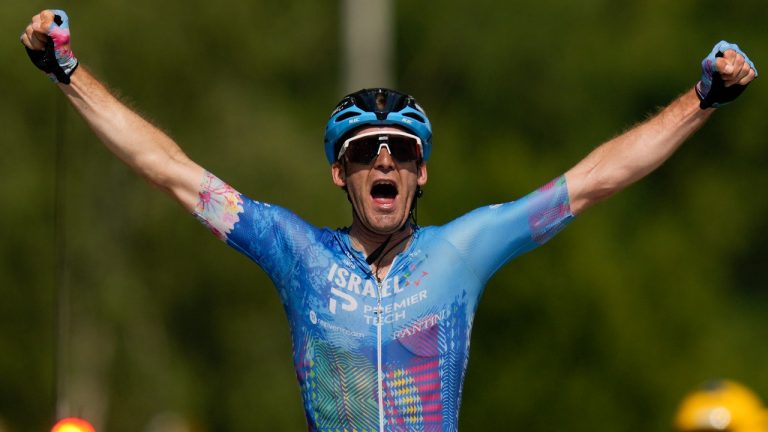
pixel 364 148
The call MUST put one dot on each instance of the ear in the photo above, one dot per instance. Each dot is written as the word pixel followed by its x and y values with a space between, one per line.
pixel 338 174
pixel 422 174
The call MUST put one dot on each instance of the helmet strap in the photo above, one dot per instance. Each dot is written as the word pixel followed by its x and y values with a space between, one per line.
pixel 413 213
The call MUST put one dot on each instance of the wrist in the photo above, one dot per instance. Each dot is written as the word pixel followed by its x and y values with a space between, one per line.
pixel 69 69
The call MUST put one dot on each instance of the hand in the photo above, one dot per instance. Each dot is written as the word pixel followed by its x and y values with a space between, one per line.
pixel 46 39
pixel 726 72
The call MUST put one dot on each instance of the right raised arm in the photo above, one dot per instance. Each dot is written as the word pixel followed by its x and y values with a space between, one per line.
pixel 142 146
pixel 134 140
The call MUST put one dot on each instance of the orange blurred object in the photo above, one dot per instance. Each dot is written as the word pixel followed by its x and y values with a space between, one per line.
pixel 72 424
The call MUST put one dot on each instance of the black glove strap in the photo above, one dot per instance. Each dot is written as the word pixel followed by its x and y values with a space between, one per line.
pixel 46 61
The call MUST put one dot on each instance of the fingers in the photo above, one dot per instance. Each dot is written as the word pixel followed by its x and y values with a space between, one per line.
pixel 734 69
pixel 36 34
pixel 46 19
pixel 32 39
pixel 748 78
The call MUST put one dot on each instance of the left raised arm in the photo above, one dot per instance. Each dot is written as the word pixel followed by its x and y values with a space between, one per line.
pixel 632 155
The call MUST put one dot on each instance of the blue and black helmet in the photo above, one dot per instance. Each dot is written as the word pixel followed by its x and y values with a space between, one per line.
pixel 376 107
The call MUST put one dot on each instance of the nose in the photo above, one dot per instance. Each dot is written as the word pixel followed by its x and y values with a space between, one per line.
pixel 384 159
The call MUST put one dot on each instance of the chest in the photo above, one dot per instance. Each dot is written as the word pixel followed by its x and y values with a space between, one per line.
pixel 345 295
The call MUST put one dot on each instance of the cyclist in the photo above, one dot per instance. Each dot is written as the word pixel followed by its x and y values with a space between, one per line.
pixel 381 312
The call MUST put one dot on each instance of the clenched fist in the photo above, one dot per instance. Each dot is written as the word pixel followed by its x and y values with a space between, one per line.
pixel 47 39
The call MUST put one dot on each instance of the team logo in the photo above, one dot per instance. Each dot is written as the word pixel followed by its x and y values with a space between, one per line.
pixel 349 305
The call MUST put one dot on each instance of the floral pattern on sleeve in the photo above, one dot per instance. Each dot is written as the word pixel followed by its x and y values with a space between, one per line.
pixel 550 210
pixel 219 205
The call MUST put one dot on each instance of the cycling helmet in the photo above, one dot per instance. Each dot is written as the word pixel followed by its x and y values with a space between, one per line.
pixel 721 405
pixel 376 107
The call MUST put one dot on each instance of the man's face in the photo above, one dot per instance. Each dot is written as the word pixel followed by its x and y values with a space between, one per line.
pixel 381 191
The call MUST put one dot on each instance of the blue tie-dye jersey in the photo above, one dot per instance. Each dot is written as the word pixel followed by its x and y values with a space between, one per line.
pixel 404 371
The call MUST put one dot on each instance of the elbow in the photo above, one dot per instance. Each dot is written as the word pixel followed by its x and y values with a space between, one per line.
pixel 593 188
pixel 603 187
pixel 158 169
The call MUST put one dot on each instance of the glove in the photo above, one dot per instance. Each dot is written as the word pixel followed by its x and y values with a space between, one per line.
pixel 711 89
pixel 57 59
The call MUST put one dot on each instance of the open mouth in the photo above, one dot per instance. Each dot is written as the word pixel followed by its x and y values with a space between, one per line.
pixel 384 191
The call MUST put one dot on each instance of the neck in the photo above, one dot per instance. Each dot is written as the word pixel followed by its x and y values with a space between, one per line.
pixel 368 241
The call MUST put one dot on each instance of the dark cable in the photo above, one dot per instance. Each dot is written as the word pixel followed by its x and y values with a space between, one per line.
pixel 378 263
pixel 61 322
pixel 376 253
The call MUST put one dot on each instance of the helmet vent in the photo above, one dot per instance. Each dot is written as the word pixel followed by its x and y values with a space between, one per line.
pixel 347 115
pixel 415 117
pixel 381 101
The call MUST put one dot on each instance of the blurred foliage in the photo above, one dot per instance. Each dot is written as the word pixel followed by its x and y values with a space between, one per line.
pixel 603 329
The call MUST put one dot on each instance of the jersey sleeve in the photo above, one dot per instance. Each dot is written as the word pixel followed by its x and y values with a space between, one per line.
pixel 490 236
pixel 270 235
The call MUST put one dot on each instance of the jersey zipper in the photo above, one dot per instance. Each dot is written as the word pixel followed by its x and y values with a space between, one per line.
pixel 379 323
pixel 379 368
pixel 379 338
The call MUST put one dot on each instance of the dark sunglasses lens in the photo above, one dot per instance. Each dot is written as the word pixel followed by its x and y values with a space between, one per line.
pixel 363 150
pixel 403 149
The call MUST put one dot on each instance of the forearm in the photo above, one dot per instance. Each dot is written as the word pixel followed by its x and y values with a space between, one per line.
pixel 142 146
pixel 627 158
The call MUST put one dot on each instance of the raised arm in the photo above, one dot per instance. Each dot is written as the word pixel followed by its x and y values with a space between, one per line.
pixel 632 155
pixel 142 146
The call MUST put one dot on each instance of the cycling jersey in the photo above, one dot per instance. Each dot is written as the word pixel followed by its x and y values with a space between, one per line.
pixel 385 355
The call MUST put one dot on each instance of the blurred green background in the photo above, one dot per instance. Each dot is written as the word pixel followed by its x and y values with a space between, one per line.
pixel 605 328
